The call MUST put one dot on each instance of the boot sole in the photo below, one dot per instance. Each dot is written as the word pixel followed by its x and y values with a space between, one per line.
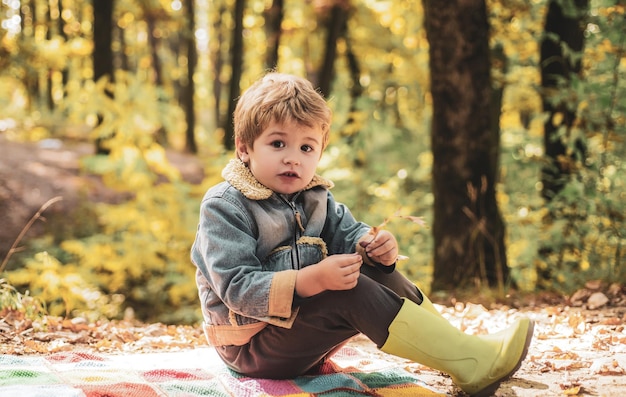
pixel 491 389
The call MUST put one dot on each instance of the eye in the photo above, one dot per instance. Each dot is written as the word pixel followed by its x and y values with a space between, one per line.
pixel 277 144
pixel 307 148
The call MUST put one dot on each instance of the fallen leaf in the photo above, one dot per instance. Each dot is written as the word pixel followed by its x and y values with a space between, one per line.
pixel 611 321
pixel 577 322
pixel 597 300
pixel 579 297
pixel 572 391
pixel 594 285
pixel 604 367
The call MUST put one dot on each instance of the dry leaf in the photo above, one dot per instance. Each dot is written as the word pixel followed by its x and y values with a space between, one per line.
pixel 577 322
pixel 611 321
pixel 572 391
pixel 594 285
pixel 607 367
pixel 579 297
pixel 597 300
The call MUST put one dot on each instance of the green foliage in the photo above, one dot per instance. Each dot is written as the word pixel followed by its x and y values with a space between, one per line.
pixel 579 234
pixel 584 229
pixel 12 300
pixel 136 257
pixel 66 289
pixel 372 195
pixel 142 253
pixel 585 221
pixel 132 119
pixel 135 253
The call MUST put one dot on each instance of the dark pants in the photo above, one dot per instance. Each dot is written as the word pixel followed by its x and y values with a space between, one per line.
pixel 324 323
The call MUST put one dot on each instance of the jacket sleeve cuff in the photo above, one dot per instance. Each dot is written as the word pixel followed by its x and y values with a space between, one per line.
pixel 387 269
pixel 281 293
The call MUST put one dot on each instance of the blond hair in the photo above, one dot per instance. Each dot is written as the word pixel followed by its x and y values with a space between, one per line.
pixel 280 98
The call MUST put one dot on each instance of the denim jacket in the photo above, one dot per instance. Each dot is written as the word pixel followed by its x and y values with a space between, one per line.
pixel 250 244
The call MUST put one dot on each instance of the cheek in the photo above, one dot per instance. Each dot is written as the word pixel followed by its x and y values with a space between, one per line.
pixel 313 163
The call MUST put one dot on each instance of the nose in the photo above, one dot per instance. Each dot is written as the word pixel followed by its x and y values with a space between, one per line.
pixel 291 158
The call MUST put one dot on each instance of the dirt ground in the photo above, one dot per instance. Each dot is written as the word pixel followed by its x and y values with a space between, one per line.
pixel 575 351
pixel 579 346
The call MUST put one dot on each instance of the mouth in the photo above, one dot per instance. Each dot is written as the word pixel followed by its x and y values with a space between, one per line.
pixel 290 174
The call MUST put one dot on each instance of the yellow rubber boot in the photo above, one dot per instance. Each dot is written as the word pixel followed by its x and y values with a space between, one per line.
pixel 477 364
pixel 427 304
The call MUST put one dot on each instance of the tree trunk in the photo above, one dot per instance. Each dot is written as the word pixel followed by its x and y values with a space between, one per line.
pixel 468 229
pixel 236 60
pixel 273 22
pixel 50 33
pixel 560 60
pixel 151 22
pixel 217 60
pixel 152 16
pixel 336 27
pixel 102 37
pixel 31 77
pixel 65 73
pixel 356 90
pixel 189 89
pixel 102 49
pixel 121 56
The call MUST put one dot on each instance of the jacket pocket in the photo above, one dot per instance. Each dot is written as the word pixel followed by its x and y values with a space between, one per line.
pixel 308 251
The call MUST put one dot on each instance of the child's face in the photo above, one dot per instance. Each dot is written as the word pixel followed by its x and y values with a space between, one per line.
pixel 285 156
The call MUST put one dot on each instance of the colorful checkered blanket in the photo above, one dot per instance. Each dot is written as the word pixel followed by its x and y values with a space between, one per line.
pixel 196 372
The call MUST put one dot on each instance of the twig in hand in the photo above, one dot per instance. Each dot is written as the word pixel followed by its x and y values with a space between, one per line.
pixel 415 219
pixel 25 229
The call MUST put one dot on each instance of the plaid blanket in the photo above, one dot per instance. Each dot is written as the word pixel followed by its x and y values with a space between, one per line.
pixel 197 372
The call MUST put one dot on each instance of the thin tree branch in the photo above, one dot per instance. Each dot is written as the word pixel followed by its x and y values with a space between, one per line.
pixel 25 229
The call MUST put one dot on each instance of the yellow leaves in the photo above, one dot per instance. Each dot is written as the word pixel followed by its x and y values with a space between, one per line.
pixel 38 133
pixel 64 287
pixel 608 367
pixel 561 355
pixel 143 249
pixel 131 166
pixel 53 52
pixel 126 20
pixel 411 42
pixel 80 47
pixel 157 161
pixel 577 322
pixel 571 390
pixel 557 119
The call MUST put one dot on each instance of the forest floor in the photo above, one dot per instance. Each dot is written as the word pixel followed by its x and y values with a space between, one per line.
pixel 575 351
pixel 579 346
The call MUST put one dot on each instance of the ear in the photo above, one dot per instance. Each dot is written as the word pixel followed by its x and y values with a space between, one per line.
pixel 242 151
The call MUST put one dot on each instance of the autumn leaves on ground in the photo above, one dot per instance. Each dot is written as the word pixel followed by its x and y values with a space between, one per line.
pixel 579 346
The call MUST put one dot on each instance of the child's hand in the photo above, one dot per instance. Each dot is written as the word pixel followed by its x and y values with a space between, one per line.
pixel 381 248
pixel 340 272
pixel 336 272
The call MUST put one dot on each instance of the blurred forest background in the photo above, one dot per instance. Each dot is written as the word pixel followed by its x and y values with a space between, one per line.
pixel 500 122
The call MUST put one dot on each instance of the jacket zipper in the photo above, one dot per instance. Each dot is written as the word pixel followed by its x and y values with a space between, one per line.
pixel 298 230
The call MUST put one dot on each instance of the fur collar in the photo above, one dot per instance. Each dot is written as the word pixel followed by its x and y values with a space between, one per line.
pixel 237 174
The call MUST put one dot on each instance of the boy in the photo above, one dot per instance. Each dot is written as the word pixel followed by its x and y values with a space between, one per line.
pixel 286 275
